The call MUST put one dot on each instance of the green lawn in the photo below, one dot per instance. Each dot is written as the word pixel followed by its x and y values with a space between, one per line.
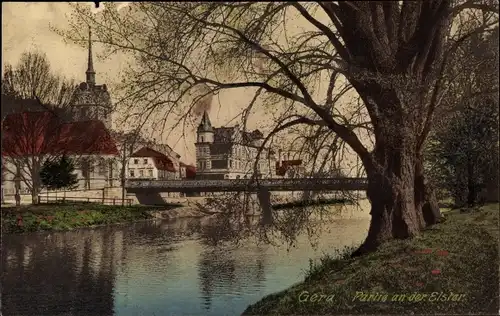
pixel 61 217
pixel 453 267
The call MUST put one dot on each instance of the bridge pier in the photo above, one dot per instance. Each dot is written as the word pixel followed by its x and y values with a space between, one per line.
pixel 264 197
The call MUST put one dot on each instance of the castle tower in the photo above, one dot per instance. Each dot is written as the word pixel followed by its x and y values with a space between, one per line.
pixel 91 101
pixel 205 137
pixel 205 130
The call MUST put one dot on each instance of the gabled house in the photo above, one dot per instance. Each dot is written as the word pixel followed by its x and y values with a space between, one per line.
pixel 147 163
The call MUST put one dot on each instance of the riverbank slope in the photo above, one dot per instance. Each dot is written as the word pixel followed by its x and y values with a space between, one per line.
pixel 65 216
pixel 450 268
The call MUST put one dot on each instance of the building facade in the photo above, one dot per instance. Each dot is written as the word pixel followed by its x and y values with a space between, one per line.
pixel 230 153
pixel 149 164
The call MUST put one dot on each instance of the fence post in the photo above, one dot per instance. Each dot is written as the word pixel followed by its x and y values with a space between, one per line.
pixel 88 200
pixel 114 201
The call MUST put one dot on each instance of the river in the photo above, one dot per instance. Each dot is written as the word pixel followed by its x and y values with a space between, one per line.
pixel 156 268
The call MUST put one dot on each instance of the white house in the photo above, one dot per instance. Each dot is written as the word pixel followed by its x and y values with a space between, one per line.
pixel 147 163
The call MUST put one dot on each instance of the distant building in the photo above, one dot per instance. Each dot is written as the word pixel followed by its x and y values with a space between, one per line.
pixel 188 172
pixel 290 168
pixel 149 164
pixel 230 153
pixel 129 143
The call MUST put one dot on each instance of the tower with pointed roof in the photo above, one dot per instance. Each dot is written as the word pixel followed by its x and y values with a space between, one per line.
pixel 91 101
pixel 205 137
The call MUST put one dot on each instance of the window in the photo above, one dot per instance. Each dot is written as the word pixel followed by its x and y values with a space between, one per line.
pixel 132 173
pixel 136 161
pixel 230 164
pixel 202 139
pixel 150 172
pixel 145 161
pixel 141 173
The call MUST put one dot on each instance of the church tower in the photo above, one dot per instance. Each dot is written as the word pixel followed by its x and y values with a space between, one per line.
pixel 90 73
pixel 205 137
pixel 91 101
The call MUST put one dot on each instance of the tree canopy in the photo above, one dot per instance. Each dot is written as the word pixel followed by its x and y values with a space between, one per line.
pixel 346 72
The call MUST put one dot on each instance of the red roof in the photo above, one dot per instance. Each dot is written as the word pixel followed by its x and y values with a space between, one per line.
pixel 190 170
pixel 42 133
pixel 285 165
pixel 162 161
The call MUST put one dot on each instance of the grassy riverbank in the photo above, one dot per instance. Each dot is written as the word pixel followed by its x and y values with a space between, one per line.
pixel 458 257
pixel 62 217
pixel 305 203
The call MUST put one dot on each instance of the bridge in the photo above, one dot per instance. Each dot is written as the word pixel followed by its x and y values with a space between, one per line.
pixel 249 185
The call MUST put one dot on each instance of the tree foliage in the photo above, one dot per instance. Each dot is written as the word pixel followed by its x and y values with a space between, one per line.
pixel 462 149
pixel 58 174
pixel 305 63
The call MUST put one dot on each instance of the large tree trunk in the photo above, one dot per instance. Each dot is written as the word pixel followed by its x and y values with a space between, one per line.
pixel 391 183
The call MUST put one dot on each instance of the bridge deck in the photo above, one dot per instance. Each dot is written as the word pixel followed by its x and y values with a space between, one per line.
pixel 237 185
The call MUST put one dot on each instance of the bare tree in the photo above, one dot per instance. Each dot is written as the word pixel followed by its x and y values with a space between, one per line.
pixel 127 143
pixel 33 78
pixel 393 54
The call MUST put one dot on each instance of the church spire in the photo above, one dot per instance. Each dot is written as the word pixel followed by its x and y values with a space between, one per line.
pixel 90 68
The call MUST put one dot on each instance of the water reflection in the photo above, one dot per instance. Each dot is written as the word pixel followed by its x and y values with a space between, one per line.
pixel 225 273
pixel 151 268
pixel 58 274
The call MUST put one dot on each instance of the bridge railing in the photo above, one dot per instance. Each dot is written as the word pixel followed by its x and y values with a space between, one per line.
pixel 243 182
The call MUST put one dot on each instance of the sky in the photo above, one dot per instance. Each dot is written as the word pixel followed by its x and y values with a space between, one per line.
pixel 27 26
